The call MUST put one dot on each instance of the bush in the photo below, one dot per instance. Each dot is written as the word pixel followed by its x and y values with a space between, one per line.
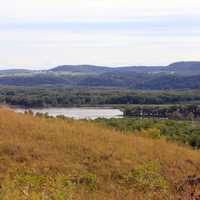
pixel 147 178
pixel 195 141
pixel 89 180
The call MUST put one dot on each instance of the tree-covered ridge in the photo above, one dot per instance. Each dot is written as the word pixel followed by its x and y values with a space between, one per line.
pixel 118 80
pixel 182 75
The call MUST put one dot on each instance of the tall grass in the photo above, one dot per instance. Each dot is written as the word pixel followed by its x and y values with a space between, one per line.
pixel 58 159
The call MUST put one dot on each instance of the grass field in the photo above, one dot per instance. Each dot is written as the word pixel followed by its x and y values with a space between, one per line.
pixel 56 159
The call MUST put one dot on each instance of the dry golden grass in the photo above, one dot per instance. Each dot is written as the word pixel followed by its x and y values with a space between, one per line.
pixel 55 159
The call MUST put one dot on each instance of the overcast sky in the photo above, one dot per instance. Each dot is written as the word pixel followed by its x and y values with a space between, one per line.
pixel 45 33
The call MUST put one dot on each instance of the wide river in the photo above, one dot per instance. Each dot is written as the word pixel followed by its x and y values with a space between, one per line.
pixel 79 113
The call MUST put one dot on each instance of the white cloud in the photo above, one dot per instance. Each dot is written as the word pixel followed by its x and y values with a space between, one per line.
pixel 45 49
pixel 170 32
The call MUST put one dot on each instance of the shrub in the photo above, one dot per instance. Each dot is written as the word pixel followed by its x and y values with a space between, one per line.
pixel 147 178
pixel 31 180
pixel 89 180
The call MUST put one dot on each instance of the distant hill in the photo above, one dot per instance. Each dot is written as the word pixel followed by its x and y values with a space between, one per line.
pixel 91 69
pixel 183 68
pixel 170 82
pixel 185 65
pixel 179 75
pixel 15 71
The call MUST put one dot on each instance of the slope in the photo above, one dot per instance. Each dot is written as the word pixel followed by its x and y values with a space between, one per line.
pixel 45 158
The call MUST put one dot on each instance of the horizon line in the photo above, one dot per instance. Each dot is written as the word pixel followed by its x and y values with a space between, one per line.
pixel 83 65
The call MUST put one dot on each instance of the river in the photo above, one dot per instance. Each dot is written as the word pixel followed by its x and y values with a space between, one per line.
pixel 79 113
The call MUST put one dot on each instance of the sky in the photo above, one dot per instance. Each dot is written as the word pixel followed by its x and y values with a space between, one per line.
pixel 39 34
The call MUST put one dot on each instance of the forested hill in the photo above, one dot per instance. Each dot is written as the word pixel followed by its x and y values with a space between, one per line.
pixel 184 68
pixel 81 69
pixel 180 75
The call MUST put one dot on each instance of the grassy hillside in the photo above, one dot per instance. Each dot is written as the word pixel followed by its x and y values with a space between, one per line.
pixel 55 159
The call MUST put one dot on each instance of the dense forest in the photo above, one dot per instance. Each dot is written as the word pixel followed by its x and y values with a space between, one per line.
pixel 62 96
pixel 120 80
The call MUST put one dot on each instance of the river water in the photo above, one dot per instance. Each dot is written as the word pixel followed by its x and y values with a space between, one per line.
pixel 79 113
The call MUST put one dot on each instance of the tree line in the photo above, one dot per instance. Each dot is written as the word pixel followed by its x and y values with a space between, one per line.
pixel 60 96
pixel 189 112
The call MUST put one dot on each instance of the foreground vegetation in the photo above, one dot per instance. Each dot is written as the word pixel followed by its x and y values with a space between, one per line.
pixel 182 132
pixel 57 159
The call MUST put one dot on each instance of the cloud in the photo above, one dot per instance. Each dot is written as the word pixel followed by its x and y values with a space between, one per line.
pixel 45 49
pixel 104 32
